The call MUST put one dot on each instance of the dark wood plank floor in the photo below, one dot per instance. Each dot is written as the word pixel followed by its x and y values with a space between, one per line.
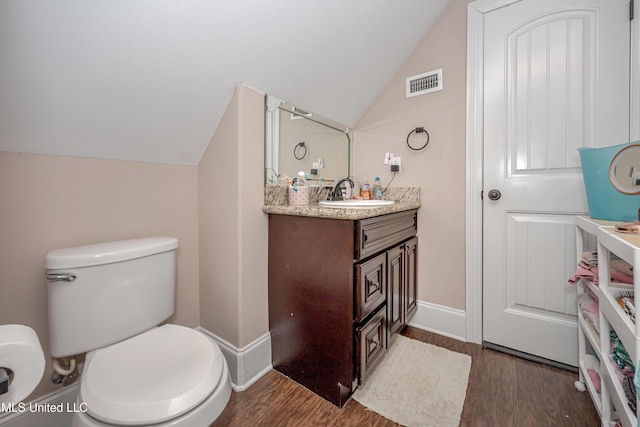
pixel 503 390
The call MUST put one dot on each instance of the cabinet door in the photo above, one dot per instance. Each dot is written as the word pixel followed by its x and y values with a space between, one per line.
pixel 371 285
pixel 411 283
pixel 371 343
pixel 395 283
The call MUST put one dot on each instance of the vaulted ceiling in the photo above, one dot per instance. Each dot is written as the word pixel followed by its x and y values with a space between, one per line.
pixel 149 80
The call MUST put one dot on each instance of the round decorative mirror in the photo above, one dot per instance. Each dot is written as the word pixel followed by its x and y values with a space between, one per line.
pixel 624 174
pixel 624 171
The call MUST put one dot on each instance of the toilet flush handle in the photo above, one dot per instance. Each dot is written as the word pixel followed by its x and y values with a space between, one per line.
pixel 64 277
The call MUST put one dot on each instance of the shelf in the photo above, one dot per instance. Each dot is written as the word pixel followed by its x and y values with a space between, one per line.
pixel 589 331
pixel 590 362
pixel 621 323
pixel 612 402
pixel 625 246
pixel 616 392
pixel 593 288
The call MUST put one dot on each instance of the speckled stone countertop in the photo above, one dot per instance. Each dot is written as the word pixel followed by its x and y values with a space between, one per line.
pixel 406 198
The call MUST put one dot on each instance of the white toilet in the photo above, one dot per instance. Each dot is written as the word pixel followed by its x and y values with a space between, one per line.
pixel 107 300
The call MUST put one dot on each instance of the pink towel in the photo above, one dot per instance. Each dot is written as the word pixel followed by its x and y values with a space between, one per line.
pixel 591 274
pixel 585 273
pixel 595 378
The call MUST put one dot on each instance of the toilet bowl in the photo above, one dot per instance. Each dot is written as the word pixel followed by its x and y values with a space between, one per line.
pixel 107 300
pixel 169 376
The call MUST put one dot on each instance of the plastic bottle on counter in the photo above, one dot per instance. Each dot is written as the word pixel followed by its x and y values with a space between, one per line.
pixel 377 189
pixel 300 182
pixel 365 192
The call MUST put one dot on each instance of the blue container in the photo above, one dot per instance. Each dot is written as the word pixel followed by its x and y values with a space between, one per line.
pixel 605 202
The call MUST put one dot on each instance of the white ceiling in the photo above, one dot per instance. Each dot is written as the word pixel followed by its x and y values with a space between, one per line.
pixel 149 80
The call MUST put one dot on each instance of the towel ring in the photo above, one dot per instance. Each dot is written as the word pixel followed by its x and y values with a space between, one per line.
pixel 304 152
pixel 418 130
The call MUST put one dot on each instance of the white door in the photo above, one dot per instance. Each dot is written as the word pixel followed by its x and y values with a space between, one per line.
pixel 556 77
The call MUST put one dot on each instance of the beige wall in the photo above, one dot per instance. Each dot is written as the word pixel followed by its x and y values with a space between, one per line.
pixel 439 170
pixel 49 202
pixel 233 229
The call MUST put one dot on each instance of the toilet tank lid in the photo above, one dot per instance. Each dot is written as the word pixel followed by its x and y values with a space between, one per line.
pixel 108 252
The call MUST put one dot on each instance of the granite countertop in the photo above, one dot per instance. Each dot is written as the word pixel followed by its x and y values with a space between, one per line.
pixel 276 203
pixel 315 210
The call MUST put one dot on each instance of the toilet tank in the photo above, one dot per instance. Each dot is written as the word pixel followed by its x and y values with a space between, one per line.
pixel 104 293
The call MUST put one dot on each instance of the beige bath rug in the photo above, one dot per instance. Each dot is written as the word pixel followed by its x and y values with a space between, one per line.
pixel 418 384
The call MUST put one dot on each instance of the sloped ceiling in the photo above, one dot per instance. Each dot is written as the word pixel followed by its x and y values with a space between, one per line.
pixel 149 80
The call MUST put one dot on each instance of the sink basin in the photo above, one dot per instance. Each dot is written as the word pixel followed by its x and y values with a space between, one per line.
pixel 354 203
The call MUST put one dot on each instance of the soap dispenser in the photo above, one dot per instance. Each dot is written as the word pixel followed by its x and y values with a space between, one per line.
pixel 365 192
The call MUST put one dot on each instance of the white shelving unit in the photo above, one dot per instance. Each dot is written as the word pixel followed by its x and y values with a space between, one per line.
pixel 594 350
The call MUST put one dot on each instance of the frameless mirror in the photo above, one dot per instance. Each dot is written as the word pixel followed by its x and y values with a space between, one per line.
pixel 624 171
pixel 298 140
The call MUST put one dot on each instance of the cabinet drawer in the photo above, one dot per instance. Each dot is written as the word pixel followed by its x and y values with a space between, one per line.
pixel 371 285
pixel 378 233
pixel 372 343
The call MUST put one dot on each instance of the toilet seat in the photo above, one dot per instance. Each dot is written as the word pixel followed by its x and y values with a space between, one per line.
pixel 151 378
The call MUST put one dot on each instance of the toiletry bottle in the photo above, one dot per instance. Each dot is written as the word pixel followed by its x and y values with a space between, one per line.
pixel 301 181
pixel 365 192
pixel 377 189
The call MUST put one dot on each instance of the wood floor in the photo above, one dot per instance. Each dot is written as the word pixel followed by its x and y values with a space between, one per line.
pixel 503 391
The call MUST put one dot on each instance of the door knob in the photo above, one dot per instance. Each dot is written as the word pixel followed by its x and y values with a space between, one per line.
pixel 494 194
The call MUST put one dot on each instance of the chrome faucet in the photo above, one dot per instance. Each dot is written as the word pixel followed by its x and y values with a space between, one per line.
pixel 336 194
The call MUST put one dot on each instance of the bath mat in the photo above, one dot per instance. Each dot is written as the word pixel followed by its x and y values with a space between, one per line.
pixel 417 384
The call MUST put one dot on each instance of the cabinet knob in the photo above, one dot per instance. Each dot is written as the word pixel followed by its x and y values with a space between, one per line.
pixel 372 286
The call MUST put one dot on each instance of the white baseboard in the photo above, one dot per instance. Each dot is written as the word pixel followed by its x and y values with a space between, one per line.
pixel 249 364
pixel 441 320
pixel 246 365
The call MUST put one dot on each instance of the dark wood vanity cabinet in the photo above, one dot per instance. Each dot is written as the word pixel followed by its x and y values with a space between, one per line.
pixel 403 285
pixel 332 283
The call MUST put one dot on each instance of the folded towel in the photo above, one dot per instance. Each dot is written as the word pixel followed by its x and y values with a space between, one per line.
pixel 591 274
pixel 590 259
pixel 621 266
pixel 585 273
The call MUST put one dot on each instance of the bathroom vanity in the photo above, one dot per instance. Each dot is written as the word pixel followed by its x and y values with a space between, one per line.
pixel 342 285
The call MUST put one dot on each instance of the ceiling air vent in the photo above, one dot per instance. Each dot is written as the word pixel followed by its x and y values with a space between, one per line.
pixel 424 83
